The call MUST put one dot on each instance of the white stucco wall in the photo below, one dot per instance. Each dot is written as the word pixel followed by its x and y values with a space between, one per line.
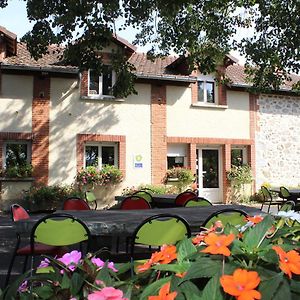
pixel 278 141
pixel 183 119
pixel 70 115
pixel 15 103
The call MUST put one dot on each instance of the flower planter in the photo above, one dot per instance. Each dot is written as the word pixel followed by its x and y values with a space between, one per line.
pixel 12 189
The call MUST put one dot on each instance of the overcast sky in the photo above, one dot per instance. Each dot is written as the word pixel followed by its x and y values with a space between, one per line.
pixel 14 19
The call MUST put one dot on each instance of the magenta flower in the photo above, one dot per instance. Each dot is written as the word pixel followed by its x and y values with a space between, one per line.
pixel 100 264
pixel 44 263
pixel 107 293
pixel 23 287
pixel 71 259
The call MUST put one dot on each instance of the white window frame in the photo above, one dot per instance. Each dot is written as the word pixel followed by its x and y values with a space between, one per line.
pixel 100 145
pixel 177 150
pixel 100 94
pixel 17 142
pixel 207 79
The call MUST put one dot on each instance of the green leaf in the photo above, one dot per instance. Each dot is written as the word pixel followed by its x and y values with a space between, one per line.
pixel 123 267
pixel 176 268
pixel 269 287
pixel 76 283
pixel 190 290
pixel 212 290
pixel 104 275
pixel 204 267
pixel 44 292
pixel 153 288
pixel 283 291
pixel 185 248
pixel 295 286
pixel 254 236
pixel 66 282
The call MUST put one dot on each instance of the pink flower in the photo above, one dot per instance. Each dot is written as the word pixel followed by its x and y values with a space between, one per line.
pixel 23 287
pixel 100 264
pixel 71 259
pixel 107 293
pixel 44 263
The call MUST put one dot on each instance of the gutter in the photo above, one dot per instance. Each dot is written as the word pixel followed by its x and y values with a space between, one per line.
pixel 44 69
pixel 168 78
pixel 240 85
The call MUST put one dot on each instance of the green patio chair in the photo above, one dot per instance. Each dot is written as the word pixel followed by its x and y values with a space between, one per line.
pixel 156 231
pixel 226 215
pixel 51 235
pixel 268 199
pixel 143 194
pixel 197 202
pixel 287 206
pixel 91 199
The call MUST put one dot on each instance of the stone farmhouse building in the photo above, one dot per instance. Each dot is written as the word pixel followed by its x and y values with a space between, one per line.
pixel 62 120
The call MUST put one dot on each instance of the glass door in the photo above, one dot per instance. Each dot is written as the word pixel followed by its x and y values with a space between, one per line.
pixel 209 170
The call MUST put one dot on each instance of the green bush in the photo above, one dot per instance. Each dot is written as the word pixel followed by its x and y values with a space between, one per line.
pixel 49 197
pixel 153 189
pixel 18 171
pixel 184 177
pixel 239 175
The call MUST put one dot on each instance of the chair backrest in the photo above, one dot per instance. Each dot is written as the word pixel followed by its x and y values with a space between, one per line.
pixel 134 202
pixel 75 204
pixel 266 193
pixel 226 215
pixel 288 205
pixel 284 192
pixel 143 194
pixel 18 213
pixel 161 229
pixel 59 230
pixel 91 198
pixel 183 197
pixel 197 202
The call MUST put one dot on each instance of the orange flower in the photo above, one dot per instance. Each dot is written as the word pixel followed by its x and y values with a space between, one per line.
pixel 241 284
pixel 289 261
pixel 165 256
pixel 198 239
pixel 255 220
pixel 180 275
pixel 217 244
pixel 164 293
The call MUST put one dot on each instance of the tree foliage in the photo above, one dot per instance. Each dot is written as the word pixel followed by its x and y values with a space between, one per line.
pixel 206 30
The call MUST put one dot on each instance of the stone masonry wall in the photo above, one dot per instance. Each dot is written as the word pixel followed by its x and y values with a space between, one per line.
pixel 278 141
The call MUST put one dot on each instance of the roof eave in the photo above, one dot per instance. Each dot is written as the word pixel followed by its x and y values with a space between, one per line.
pixel 166 77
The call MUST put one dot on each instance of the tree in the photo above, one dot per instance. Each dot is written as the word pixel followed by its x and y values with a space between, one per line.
pixel 205 30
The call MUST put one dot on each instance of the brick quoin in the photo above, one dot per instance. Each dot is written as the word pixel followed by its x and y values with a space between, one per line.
pixel 226 156
pixel 40 128
pixel 158 133
pixel 83 138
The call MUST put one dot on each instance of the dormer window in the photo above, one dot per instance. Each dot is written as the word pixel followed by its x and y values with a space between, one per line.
pixel 206 91
pixel 101 84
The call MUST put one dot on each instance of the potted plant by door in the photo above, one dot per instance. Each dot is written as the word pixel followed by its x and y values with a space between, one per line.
pixel 180 177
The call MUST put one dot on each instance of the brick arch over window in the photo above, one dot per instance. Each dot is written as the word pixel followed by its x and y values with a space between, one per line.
pixel 120 139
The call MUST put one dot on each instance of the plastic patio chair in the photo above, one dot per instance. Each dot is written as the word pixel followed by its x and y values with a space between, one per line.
pixel 143 194
pixel 156 231
pixel 183 197
pixel 268 199
pixel 285 193
pixel 74 203
pixel 135 202
pixel 288 205
pixel 226 215
pixel 45 240
pixel 197 202
pixel 91 199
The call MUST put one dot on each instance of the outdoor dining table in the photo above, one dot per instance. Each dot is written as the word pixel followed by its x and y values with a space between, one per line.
pixel 124 222
pixel 295 193
pixel 159 200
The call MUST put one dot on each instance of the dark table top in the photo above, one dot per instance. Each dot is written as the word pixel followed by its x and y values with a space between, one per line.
pixel 295 193
pixel 158 199
pixel 124 222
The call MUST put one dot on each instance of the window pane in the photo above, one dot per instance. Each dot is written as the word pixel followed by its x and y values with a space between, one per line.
pixel 94 83
pixel 210 92
pixel 107 81
pixel 91 156
pixel 200 91
pixel 16 155
pixel 210 160
pixel 237 157
pixel 177 161
pixel 108 155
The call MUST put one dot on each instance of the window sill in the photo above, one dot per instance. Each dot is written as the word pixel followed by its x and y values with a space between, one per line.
pixel 102 98
pixel 205 105
pixel 15 179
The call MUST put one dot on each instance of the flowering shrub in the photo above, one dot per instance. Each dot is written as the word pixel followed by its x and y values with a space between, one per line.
pixel 259 260
pixel 184 177
pixel 92 175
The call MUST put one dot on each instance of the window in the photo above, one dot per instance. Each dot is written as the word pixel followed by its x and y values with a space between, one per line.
pixel 177 161
pixel 239 156
pixel 206 91
pixel 16 154
pixel 100 154
pixel 176 156
pixel 101 85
